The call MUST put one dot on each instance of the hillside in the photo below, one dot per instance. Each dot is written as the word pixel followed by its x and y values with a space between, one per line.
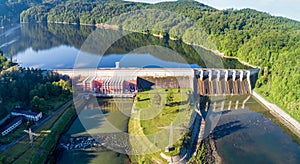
pixel 11 9
pixel 272 43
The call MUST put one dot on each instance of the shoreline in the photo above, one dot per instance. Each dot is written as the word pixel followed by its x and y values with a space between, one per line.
pixel 212 154
pixel 215 153
pixel 280 114
pixel 214 150
pixel 115 27
pixel 222 55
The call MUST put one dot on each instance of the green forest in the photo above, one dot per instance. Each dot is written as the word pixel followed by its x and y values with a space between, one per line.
pixel 11 9
pixel 272 43
pixel 29 88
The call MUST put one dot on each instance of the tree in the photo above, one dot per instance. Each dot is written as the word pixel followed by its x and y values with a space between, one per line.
pixel 63 84
pixel 38 103
pixel 33 93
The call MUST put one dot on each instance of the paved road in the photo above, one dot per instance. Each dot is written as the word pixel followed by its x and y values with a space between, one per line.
pixel 38 124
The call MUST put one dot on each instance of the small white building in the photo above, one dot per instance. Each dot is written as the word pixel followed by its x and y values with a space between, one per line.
pixel 28 114
pixel 11 125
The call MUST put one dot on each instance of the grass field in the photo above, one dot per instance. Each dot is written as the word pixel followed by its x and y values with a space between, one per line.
pixel 155 111
pixel 56 102
pixel 15 134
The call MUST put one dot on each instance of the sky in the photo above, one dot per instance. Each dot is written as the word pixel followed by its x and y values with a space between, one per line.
pixel 285 8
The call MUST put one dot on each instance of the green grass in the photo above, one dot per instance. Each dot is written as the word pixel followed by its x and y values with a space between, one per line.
pixel 56 102
pixel 15 134
pixel 151 117
pixel 177 146
pixel 141 145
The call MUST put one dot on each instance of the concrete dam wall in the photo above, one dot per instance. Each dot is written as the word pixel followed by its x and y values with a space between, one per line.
pixel 121 81
pixel 150 82
pixel 224 81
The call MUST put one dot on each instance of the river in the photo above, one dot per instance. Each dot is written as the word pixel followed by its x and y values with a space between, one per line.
pixel 249 134
pixel 106 117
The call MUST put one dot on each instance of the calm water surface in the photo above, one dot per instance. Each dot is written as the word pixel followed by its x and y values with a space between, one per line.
pixel 252 135
pixel 98 118
pixel 60 46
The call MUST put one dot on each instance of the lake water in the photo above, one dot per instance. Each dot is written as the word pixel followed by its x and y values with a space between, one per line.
pixel 56 46
pixel 249 135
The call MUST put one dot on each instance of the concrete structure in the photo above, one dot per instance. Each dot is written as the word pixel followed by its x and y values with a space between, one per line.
pixel 127 72
pixel 226 75
pixel 10 125
pixel 233 75
pixel 28 114
pixel 224 81
pixel 124 82
pixel 223 104
pixel 108 85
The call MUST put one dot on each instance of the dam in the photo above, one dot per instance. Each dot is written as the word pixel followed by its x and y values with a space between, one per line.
pixel 224 81
pixel 126 82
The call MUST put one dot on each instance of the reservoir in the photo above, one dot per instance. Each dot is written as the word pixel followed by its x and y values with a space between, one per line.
pixel 248 134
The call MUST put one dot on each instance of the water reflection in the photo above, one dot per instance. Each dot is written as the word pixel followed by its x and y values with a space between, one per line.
pixel 56 46
pixel 227 129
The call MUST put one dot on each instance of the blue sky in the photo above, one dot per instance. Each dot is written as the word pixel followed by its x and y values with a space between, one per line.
pixel 285 8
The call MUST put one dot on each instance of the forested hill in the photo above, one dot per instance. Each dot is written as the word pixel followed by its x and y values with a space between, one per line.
pixel 273 43
pixel 11 9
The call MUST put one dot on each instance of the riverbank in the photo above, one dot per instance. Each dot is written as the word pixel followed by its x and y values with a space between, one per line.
pixel 286 119
pixel 71 116
pixel 212 155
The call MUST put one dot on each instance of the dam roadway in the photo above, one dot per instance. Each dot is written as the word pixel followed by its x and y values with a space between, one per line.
pixel 126 81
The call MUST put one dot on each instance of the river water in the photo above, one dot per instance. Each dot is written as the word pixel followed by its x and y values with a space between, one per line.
pixel 251 134
pixel 100 117
pixel 248 134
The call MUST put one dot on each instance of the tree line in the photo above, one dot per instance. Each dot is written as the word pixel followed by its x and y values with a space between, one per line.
pixel 29 88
